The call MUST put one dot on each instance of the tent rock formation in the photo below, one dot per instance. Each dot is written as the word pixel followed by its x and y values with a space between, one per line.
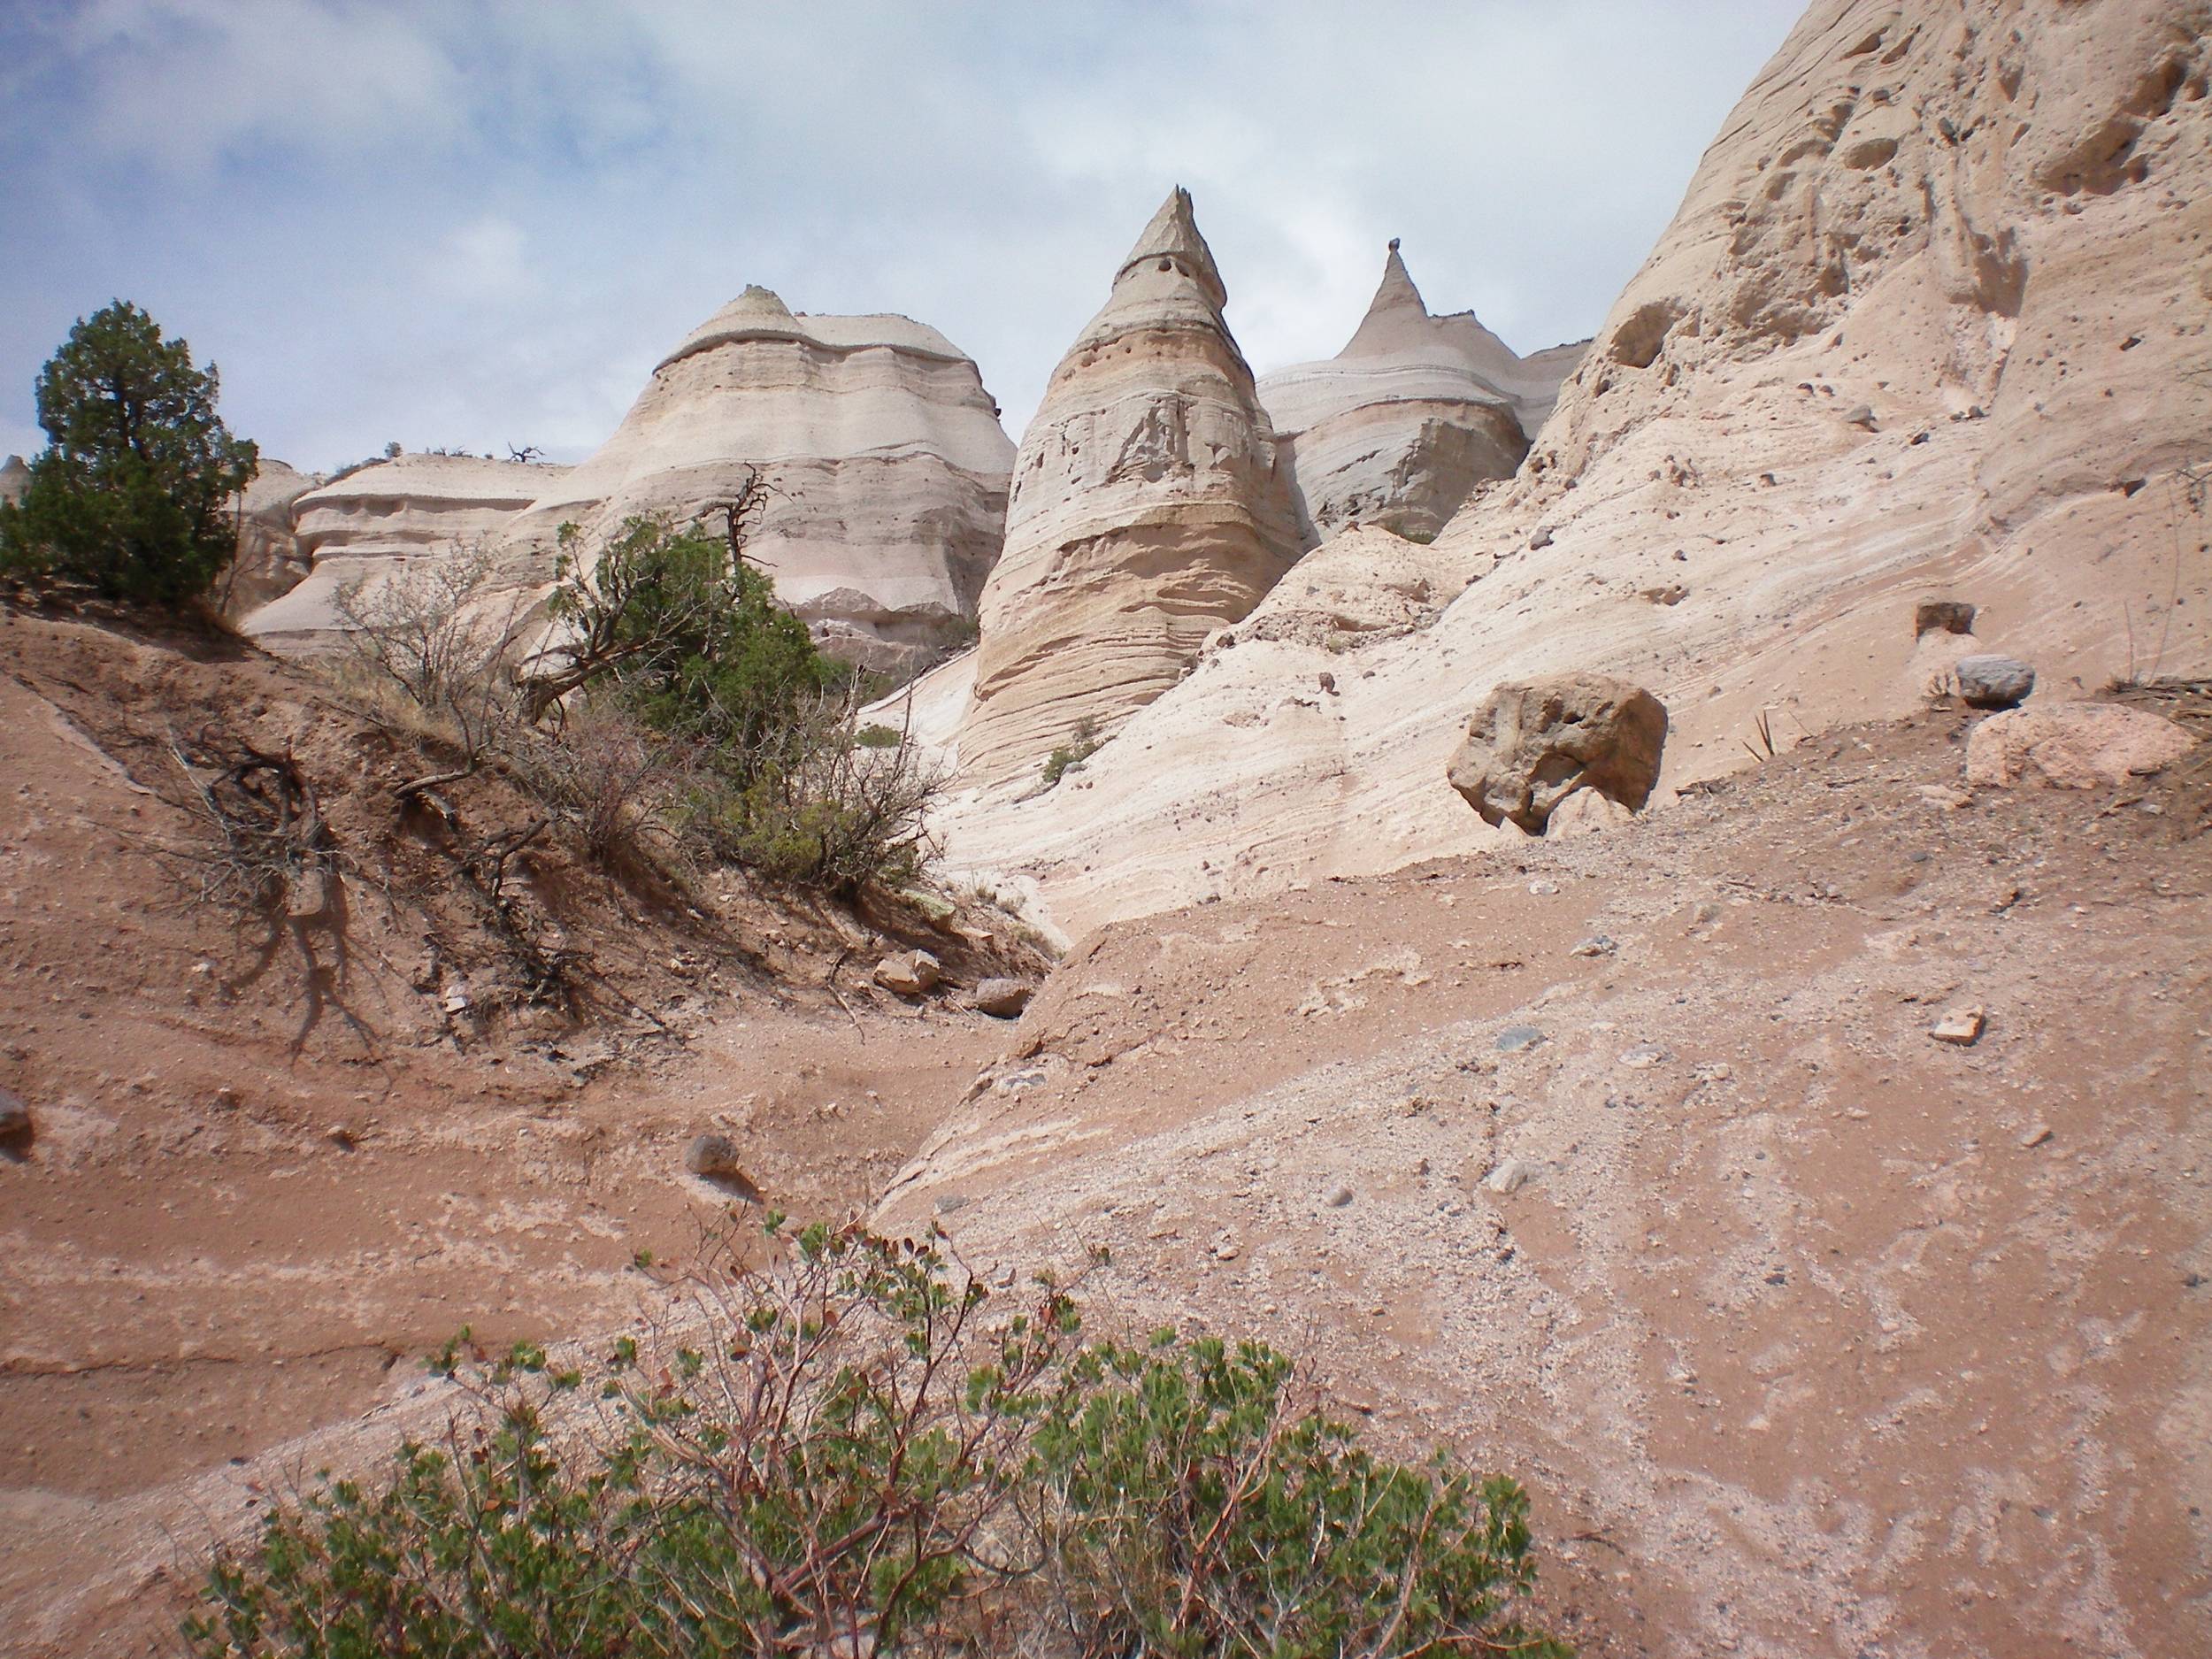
pixel 1402 424
pixel 1149 506
pixel 367 523
pixel 1986 234
pixel 886 462
pixel 887 458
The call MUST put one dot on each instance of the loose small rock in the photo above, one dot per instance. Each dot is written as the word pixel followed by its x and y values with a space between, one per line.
pixel 1004 999
pixel 1992 682
pixel 909 973
pixel 1961 1027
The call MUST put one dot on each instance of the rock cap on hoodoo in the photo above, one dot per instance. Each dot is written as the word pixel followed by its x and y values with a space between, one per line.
pixel 759 313
pixel 1395 293
pixel 1173 236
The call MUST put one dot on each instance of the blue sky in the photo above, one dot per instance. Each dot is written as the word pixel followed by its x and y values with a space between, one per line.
pixel 478 224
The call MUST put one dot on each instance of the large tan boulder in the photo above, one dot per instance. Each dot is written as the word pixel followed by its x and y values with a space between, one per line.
pixel 888 466
pixel 1535 742
pixel 1397 427
pixel 2072 746
pixel 1149 507
pixel 15 478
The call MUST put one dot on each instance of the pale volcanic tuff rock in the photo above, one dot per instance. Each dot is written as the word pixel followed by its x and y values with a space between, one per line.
pixel 1397 427
pixel 1149 506
pixel 888 463
pixel 15 478
pixel 365 525
pixel 270 560
pixel 1995 235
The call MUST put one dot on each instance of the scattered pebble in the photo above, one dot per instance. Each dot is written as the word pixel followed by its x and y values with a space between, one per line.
pixel 1002 999
pixel 1643 1056
pixel 15 1117
pixel 1513 1038
pixel 714 1159
pixel 1338 1196
pixel 1960 1026
pixel 1596 945
pixel 1512 1175
pixel 2035 1136
pixel 1543 887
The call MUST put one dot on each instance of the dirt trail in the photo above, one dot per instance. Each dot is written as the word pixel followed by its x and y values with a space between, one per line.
pixel 235 1225
pixel 1630 1165
pixel 1625 1163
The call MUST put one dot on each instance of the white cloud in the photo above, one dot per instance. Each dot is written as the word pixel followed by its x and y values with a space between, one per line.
pixel 481 225
pixel 484 259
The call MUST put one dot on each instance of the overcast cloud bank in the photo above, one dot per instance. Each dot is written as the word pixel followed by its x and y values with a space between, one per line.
pixel 479 226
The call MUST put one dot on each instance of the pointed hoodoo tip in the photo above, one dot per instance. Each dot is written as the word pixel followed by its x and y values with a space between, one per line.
pixel 1397 292
pixel 1172 240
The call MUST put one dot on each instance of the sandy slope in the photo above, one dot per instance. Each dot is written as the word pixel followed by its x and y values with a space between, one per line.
pixel 240 1223
pixel 1818 1336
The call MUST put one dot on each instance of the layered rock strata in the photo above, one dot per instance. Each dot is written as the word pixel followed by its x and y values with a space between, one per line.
pixel 1149 506
pixel 269 561
pixel 1398 428
pixel 888 466
pixel 1934 324
pixel 366 524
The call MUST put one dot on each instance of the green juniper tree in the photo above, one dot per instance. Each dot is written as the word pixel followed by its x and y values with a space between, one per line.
pixel 129 496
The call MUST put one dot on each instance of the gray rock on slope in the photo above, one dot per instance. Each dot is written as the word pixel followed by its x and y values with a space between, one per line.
pixel 1987 680
pixel 1535 742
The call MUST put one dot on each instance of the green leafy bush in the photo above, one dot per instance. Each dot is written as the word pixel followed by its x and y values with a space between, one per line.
pixel 1068 756
pixel 676 626
pixel 858 1453
pixel 690 632
pixel 129 496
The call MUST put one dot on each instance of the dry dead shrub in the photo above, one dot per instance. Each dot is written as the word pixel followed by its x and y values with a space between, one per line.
pixel 434 631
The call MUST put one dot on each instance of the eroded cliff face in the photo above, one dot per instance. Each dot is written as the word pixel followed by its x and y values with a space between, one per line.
pixel 1149 506
pixel 887 458
pixel 1930 322
pixel 269 561
pixel 366 526
pixel 1398 428
pixel 886 465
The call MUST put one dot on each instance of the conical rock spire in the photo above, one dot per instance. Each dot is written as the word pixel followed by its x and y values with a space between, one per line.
pixel 1149 507
pixel 1416 409
pixel 1173 238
